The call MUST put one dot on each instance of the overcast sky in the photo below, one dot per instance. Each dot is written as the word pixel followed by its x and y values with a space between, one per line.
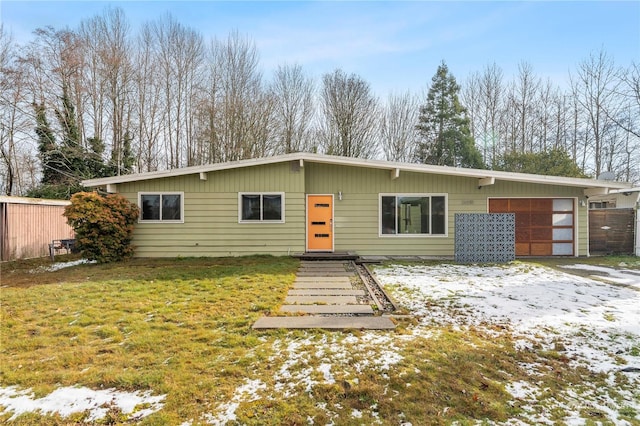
pixel 395 46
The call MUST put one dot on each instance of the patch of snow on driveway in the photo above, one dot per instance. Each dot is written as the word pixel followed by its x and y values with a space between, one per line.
pixel 597 324
pixel 628 277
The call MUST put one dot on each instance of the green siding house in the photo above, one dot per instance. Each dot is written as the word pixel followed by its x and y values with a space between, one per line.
pixel 302 202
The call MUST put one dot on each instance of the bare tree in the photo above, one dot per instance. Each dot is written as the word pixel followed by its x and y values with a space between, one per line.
pixel 293 110
pixel 350 116
pixel 180 57
pixel 235 119
pixel 484 92
pixel 594 86
pixel 16 150
pixel 108 75
pixel 398 134
pixel 523 93
pixel 8 112
pixel 148 109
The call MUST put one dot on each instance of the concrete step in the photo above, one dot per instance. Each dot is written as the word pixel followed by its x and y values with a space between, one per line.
pixel 324 300
pixel 324 274
pixel 322 279
pixel 320 284
pixel 328 323
pixel 326 292
pixel 328 309
pixel 324 269
pixel 331 263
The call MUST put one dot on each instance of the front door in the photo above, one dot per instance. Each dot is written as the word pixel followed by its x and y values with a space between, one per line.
pixel 320 223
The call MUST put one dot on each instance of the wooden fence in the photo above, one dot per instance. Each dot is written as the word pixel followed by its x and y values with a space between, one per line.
pixel 611 231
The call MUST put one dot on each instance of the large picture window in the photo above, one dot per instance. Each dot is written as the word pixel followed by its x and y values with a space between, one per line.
pixel 261 207
pixel 161 207
pixel 413 214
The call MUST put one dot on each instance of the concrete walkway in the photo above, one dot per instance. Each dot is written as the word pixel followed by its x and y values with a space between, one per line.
pixel 323 297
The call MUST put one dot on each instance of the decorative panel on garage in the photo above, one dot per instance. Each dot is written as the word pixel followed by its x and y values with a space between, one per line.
pixel 485 237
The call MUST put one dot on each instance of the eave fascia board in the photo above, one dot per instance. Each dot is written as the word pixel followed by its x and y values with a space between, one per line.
pixel 191 170
pixel 463 172
pixel 13 199
pixel 358 162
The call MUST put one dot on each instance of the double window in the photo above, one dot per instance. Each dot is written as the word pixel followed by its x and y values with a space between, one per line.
pixel 161 207
pixel 261 207
pixel 413 214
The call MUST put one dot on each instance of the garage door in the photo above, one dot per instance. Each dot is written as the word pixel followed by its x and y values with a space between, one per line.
pixel 544 226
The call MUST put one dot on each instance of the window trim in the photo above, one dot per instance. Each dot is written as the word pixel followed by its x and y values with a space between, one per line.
pixel 261 193
pixel 413 194
pixel 161 193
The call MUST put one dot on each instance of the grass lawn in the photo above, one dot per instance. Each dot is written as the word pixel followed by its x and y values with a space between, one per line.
pixel 180 329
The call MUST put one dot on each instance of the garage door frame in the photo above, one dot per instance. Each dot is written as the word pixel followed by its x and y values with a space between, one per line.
pixel 538 208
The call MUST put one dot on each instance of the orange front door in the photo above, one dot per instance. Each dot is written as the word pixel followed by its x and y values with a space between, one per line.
pixel 319 222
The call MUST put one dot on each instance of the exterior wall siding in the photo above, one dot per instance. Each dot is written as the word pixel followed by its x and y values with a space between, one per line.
pixel 357 215
pixel 28 229
pixel 211 225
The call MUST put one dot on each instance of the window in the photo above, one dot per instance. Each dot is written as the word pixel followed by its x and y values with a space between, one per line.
pixel 261 207
pixel 161 207
pixel 413 214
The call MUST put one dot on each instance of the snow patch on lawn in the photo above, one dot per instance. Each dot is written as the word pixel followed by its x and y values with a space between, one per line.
pixel 594 324
pixel 248 392
pixel 61 265
pixel 69 400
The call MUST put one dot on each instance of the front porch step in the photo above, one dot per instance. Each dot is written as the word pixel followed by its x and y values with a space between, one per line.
pixel 328 309
pixel 322 300
pixel 327 323
pixel 326 256
pixel 326 292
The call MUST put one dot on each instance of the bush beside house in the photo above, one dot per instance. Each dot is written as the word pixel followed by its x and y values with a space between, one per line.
pixel 103 225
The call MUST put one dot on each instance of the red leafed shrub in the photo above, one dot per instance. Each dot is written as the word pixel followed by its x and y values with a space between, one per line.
pixel 103 225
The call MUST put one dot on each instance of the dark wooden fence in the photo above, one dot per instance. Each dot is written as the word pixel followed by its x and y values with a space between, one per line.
pixel 611 231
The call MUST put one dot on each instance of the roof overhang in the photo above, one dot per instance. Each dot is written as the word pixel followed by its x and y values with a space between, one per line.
pixel 485 177
pixel 7 199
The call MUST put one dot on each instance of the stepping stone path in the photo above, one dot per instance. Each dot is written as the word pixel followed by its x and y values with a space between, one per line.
pixel 323 297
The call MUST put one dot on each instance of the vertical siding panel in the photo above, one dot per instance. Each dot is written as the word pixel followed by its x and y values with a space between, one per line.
pixel 356 217
pixel 31 226
pixel 211 207
pixel 211 225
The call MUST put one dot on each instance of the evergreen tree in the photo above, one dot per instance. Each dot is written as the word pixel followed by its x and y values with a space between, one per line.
pixel 49 152
pixel 443 126
pixel 75 165
pixel 122 159
pixel 555 162
pixel 65 164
